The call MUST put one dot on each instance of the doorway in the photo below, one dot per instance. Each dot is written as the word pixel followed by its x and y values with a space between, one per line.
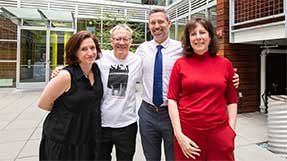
pixel 273 74
pixel 276 74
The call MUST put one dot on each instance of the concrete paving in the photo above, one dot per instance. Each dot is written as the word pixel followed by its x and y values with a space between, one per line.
pixel 21 125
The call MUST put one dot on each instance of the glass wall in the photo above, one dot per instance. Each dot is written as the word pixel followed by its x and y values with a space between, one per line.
pixel 212 15
pixel 181 24
pixel 176 30
pixel 58 40
pixel 8 52
pixel 172 31
pixel 169 2
pixel 154 2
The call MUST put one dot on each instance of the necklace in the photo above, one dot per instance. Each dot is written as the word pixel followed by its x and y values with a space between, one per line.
pixel 86 75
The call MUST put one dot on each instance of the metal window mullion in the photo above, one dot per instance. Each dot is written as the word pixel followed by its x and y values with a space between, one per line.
pixel 8 61
pixel 176 26
pixel 258 27
pixel 18 56
pixel 76 17
pixel 48 42
pixel 231 20
pixel 259 19
pixel 285 13
pixel 102 25
pixel 7 40
pixel 189 9
pixel 18 3
pixel 145 25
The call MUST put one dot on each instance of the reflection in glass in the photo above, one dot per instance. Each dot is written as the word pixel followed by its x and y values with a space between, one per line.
pixel 181 24
pixel 169 2
pixel 212 15
pixel 199 14
pixel 33 22
pixel 172 31
pixel 62 24
pixel 32 56
pixel 154 2
pixel 58 40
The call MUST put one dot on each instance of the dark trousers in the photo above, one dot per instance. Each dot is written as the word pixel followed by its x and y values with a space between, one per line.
pixel 124 140
pixel 155 126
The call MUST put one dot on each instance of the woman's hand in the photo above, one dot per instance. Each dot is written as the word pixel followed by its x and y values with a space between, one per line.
pixel 188 147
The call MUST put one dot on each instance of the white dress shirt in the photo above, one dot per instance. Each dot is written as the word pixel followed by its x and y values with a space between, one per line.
pixel 171 51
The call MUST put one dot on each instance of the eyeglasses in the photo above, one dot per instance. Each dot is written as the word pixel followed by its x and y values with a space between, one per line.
pixel 119 39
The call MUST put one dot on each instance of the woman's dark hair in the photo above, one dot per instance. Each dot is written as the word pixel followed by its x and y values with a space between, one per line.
pixel 189 27
pixel 74 44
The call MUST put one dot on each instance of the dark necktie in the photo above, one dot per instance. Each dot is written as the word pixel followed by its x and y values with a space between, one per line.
pixel 157 78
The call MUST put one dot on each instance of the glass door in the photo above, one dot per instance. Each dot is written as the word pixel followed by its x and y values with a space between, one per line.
pixel 33 57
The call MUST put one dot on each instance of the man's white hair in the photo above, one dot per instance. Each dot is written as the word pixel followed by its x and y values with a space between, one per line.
pixel 121 26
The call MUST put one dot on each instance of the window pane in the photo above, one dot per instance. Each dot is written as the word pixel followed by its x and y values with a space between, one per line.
pixel 8 50
pixel 8 30
pixel 212 15
pixel 7 74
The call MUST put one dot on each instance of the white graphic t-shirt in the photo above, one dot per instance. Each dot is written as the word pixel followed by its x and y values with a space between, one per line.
pixel 119 79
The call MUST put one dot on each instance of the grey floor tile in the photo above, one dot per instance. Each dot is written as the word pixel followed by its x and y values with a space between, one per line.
pixel 240 141
pixel 28 158
pixel 15 135
pixel 256 153
pixel 8 116
pixel 37 134
pixel 31 149
pixel 23 124
pixel 9 151
pixel 3 124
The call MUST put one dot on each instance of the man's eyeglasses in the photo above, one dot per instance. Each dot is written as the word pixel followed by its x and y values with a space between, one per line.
pixel 119 39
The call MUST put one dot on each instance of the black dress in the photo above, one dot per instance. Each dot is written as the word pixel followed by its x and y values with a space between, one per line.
pixel 72 129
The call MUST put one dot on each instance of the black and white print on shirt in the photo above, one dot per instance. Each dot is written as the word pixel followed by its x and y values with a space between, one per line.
pixel 118 79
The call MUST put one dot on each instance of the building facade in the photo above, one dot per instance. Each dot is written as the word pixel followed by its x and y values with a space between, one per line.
pixel 252 34
pixel 33 33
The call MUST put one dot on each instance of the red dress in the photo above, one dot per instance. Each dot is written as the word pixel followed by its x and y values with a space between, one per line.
pixel 202 86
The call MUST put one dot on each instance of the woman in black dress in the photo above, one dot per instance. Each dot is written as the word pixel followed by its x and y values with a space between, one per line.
pixel 72 128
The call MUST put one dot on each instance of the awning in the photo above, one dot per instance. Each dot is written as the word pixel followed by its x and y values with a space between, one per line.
pixel 22 13
pixel 38 14
pixel 53 15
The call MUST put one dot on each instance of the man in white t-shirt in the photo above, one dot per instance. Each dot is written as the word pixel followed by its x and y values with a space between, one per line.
pixel 120 70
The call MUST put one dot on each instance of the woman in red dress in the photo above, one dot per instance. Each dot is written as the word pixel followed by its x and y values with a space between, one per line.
pixel 202 100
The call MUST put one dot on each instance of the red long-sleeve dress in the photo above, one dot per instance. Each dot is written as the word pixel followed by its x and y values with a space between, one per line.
pixel 202 86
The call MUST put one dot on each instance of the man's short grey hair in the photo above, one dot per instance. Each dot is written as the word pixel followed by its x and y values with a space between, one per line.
pixel 121 26
pixel 156 10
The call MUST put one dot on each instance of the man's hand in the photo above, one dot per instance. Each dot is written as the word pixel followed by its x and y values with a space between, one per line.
pixel 56 71
pixel 235 79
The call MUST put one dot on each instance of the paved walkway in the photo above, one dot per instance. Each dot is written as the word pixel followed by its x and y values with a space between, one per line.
pixel 21 122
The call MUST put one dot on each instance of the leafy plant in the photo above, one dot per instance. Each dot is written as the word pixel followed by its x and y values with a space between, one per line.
pixel 111 20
